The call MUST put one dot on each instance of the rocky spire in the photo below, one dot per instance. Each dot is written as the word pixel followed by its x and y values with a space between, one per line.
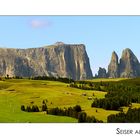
pixel 129 64
pixel 113 68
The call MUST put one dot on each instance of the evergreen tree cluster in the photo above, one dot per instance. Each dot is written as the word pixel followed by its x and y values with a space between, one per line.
pixel 83 118
pixel 132 116
pixel 71 111
pixel 74 112
pixel 14 77
pixel 18 77
pixel 35 108
pixel 113 103
pixel 109 86
pixel 122 93
pixel 60 79
pixel 81 86
pixel 44 105
pixel 86 85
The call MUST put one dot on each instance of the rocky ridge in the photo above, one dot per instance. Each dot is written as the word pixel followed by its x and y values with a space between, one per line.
pixel 64 60
pixel 128 66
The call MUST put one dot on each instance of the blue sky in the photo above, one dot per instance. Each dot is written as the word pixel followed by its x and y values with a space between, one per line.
pixel 100 34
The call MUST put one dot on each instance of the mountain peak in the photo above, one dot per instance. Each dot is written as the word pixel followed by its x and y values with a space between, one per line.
pixel 114 56
pixel 113 66
pixel 59 43
pixel 128 66
pixel 127 53
pixel 127 50
pixel 114 53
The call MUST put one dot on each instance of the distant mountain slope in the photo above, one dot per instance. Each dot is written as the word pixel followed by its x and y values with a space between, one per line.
pixel 64 60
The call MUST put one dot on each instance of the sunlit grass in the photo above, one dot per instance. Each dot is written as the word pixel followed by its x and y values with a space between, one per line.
pixel 23 92
pixel 107 79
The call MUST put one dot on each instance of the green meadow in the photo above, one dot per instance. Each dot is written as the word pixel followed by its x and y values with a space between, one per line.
pixel 17 92
pixel 107 79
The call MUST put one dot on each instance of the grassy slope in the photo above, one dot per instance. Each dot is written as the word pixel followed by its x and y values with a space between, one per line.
pixel 134 105
pixel 10 102
pixel 107 79
pixel 18 92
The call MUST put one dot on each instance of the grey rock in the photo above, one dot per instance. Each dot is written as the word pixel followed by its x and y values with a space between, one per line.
pixel 64 60
pixel 113 68
pixel 102 73
pixel 129 64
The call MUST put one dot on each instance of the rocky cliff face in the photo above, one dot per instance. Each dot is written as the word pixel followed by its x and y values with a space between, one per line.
pixel 128 66
pixel 102 73
pixel 64 60
pixel 113 68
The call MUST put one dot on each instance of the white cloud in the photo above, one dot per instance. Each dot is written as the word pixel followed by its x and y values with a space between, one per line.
pixel 40 24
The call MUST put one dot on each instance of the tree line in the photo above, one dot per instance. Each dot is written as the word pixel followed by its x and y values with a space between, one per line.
pixel 132 116
pixel 122 93
pixel 35 108
pixel 60 79
pixel 86 85
pixel 113 103
pixel 74 112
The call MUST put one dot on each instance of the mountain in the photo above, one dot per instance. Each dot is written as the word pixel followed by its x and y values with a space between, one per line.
pixel 102 73
pixel 128 66
pixel 113 68
pixel 64 60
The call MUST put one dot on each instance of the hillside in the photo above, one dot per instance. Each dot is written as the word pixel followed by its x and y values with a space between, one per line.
pixel 13 95
pixel 98 97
